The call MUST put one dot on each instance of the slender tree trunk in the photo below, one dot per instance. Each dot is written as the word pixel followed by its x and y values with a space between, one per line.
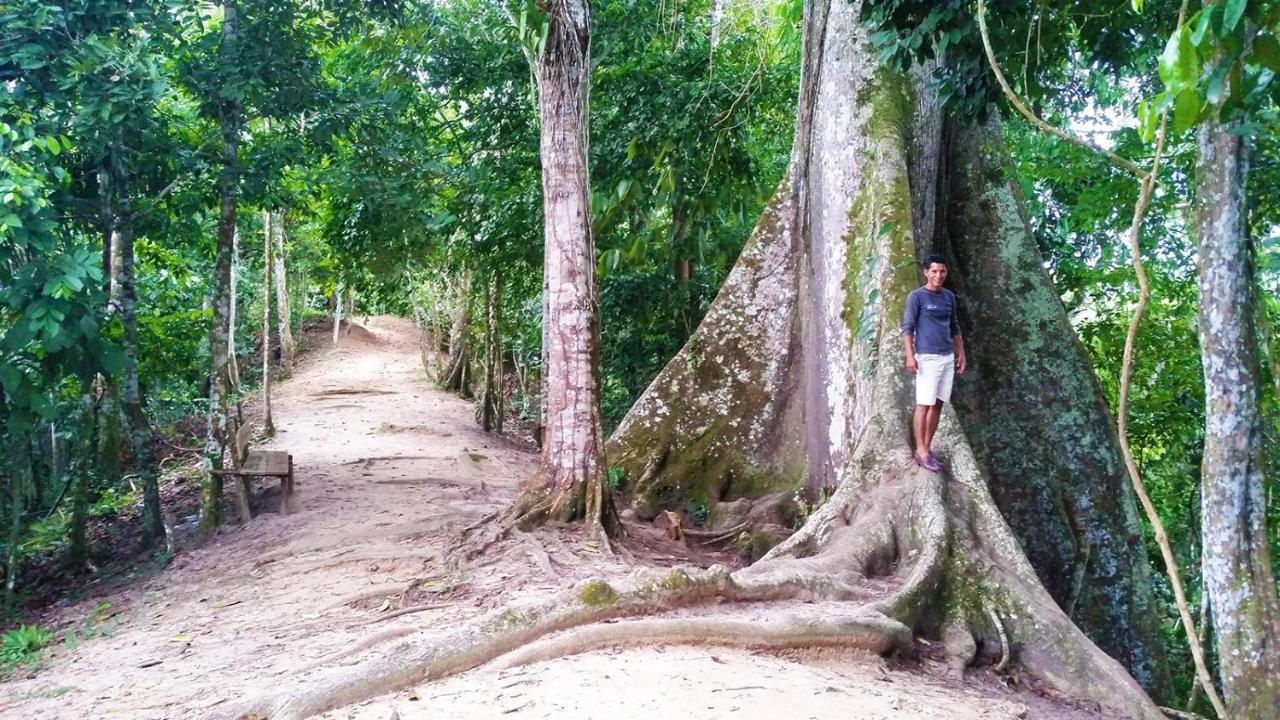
pixel 490 408
pixel 683 268
pixel 211 510
pixel 569 483
pixel 91 421
pixel 233 321
pixel 284 313
pixel 1237 559
pixel 268 425
pixel 18 470
pixel 337 311
pixel 139 430
pixel 108 460
pixel 456 373
pixel 349 312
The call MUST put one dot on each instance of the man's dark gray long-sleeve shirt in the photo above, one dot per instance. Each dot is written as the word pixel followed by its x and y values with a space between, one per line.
pixel 931 318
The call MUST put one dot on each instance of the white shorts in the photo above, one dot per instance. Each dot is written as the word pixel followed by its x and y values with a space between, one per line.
pixel 934 374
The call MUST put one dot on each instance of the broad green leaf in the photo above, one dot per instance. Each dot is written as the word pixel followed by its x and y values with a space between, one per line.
pixel 1186 110
pixel 1266 50
pixel 1171 63
pixel 1201 20
pixel 1232 11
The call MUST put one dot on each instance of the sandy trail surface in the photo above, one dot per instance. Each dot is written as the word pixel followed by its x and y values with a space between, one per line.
pixel 389 469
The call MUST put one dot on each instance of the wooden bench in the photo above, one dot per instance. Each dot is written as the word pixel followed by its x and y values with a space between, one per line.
pixel 247 464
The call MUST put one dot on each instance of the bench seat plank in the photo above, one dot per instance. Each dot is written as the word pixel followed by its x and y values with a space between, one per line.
pixel 265 463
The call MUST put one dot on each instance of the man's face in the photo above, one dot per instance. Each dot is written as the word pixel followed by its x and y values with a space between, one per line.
pixel 935 275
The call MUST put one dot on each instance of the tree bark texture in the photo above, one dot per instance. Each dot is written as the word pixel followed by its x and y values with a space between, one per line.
pixel 569 483
pixel 139 429
pixel 211 510
pixel 1237 563
pixel 794 379
pixel 284 313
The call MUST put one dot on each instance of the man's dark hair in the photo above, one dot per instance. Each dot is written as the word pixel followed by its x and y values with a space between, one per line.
pixel 932 258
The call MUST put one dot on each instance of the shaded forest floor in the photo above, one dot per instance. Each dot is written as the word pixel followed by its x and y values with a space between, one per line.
pixel 389 470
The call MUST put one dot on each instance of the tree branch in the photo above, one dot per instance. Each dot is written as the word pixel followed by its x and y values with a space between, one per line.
pixel 1018 105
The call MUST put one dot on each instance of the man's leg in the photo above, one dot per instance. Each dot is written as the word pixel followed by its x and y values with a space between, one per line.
pixel 920 425
pixel 933 415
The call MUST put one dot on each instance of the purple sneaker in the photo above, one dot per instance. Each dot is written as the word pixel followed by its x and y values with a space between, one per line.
pixel 935 460
pixel 928 462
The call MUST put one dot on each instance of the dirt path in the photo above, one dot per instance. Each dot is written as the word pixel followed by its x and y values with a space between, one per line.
pixel 388 470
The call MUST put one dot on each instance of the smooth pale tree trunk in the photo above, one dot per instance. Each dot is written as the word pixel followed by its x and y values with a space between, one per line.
pixel 211 510
pixel 337 311
pixel 233 362
pixel 794 379
pixel 1237 562
pixel 139 429
pixel 284 313
pixel 569 483
pixel 268 425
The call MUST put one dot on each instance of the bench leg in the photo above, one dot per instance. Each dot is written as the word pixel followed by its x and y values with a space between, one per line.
pixel 284 495
pixel 244 486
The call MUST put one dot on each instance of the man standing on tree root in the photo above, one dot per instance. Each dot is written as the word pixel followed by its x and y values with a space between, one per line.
pixel 935 353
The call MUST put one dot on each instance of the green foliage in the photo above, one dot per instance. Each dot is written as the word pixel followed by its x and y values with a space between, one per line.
pixel 22 646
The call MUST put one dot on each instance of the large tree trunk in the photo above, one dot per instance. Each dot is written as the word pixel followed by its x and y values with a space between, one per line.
pixel 284 313
pixel 139 429
pixel 211 511
pixel 778 389
pixel 1237 562
pixel 569 483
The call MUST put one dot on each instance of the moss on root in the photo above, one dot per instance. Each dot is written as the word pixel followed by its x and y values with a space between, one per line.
pixel 597 593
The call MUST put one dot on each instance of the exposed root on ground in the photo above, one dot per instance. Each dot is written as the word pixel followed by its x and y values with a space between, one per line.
pixel 896 553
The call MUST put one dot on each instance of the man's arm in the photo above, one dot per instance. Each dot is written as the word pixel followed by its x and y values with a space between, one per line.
pixel 909 317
